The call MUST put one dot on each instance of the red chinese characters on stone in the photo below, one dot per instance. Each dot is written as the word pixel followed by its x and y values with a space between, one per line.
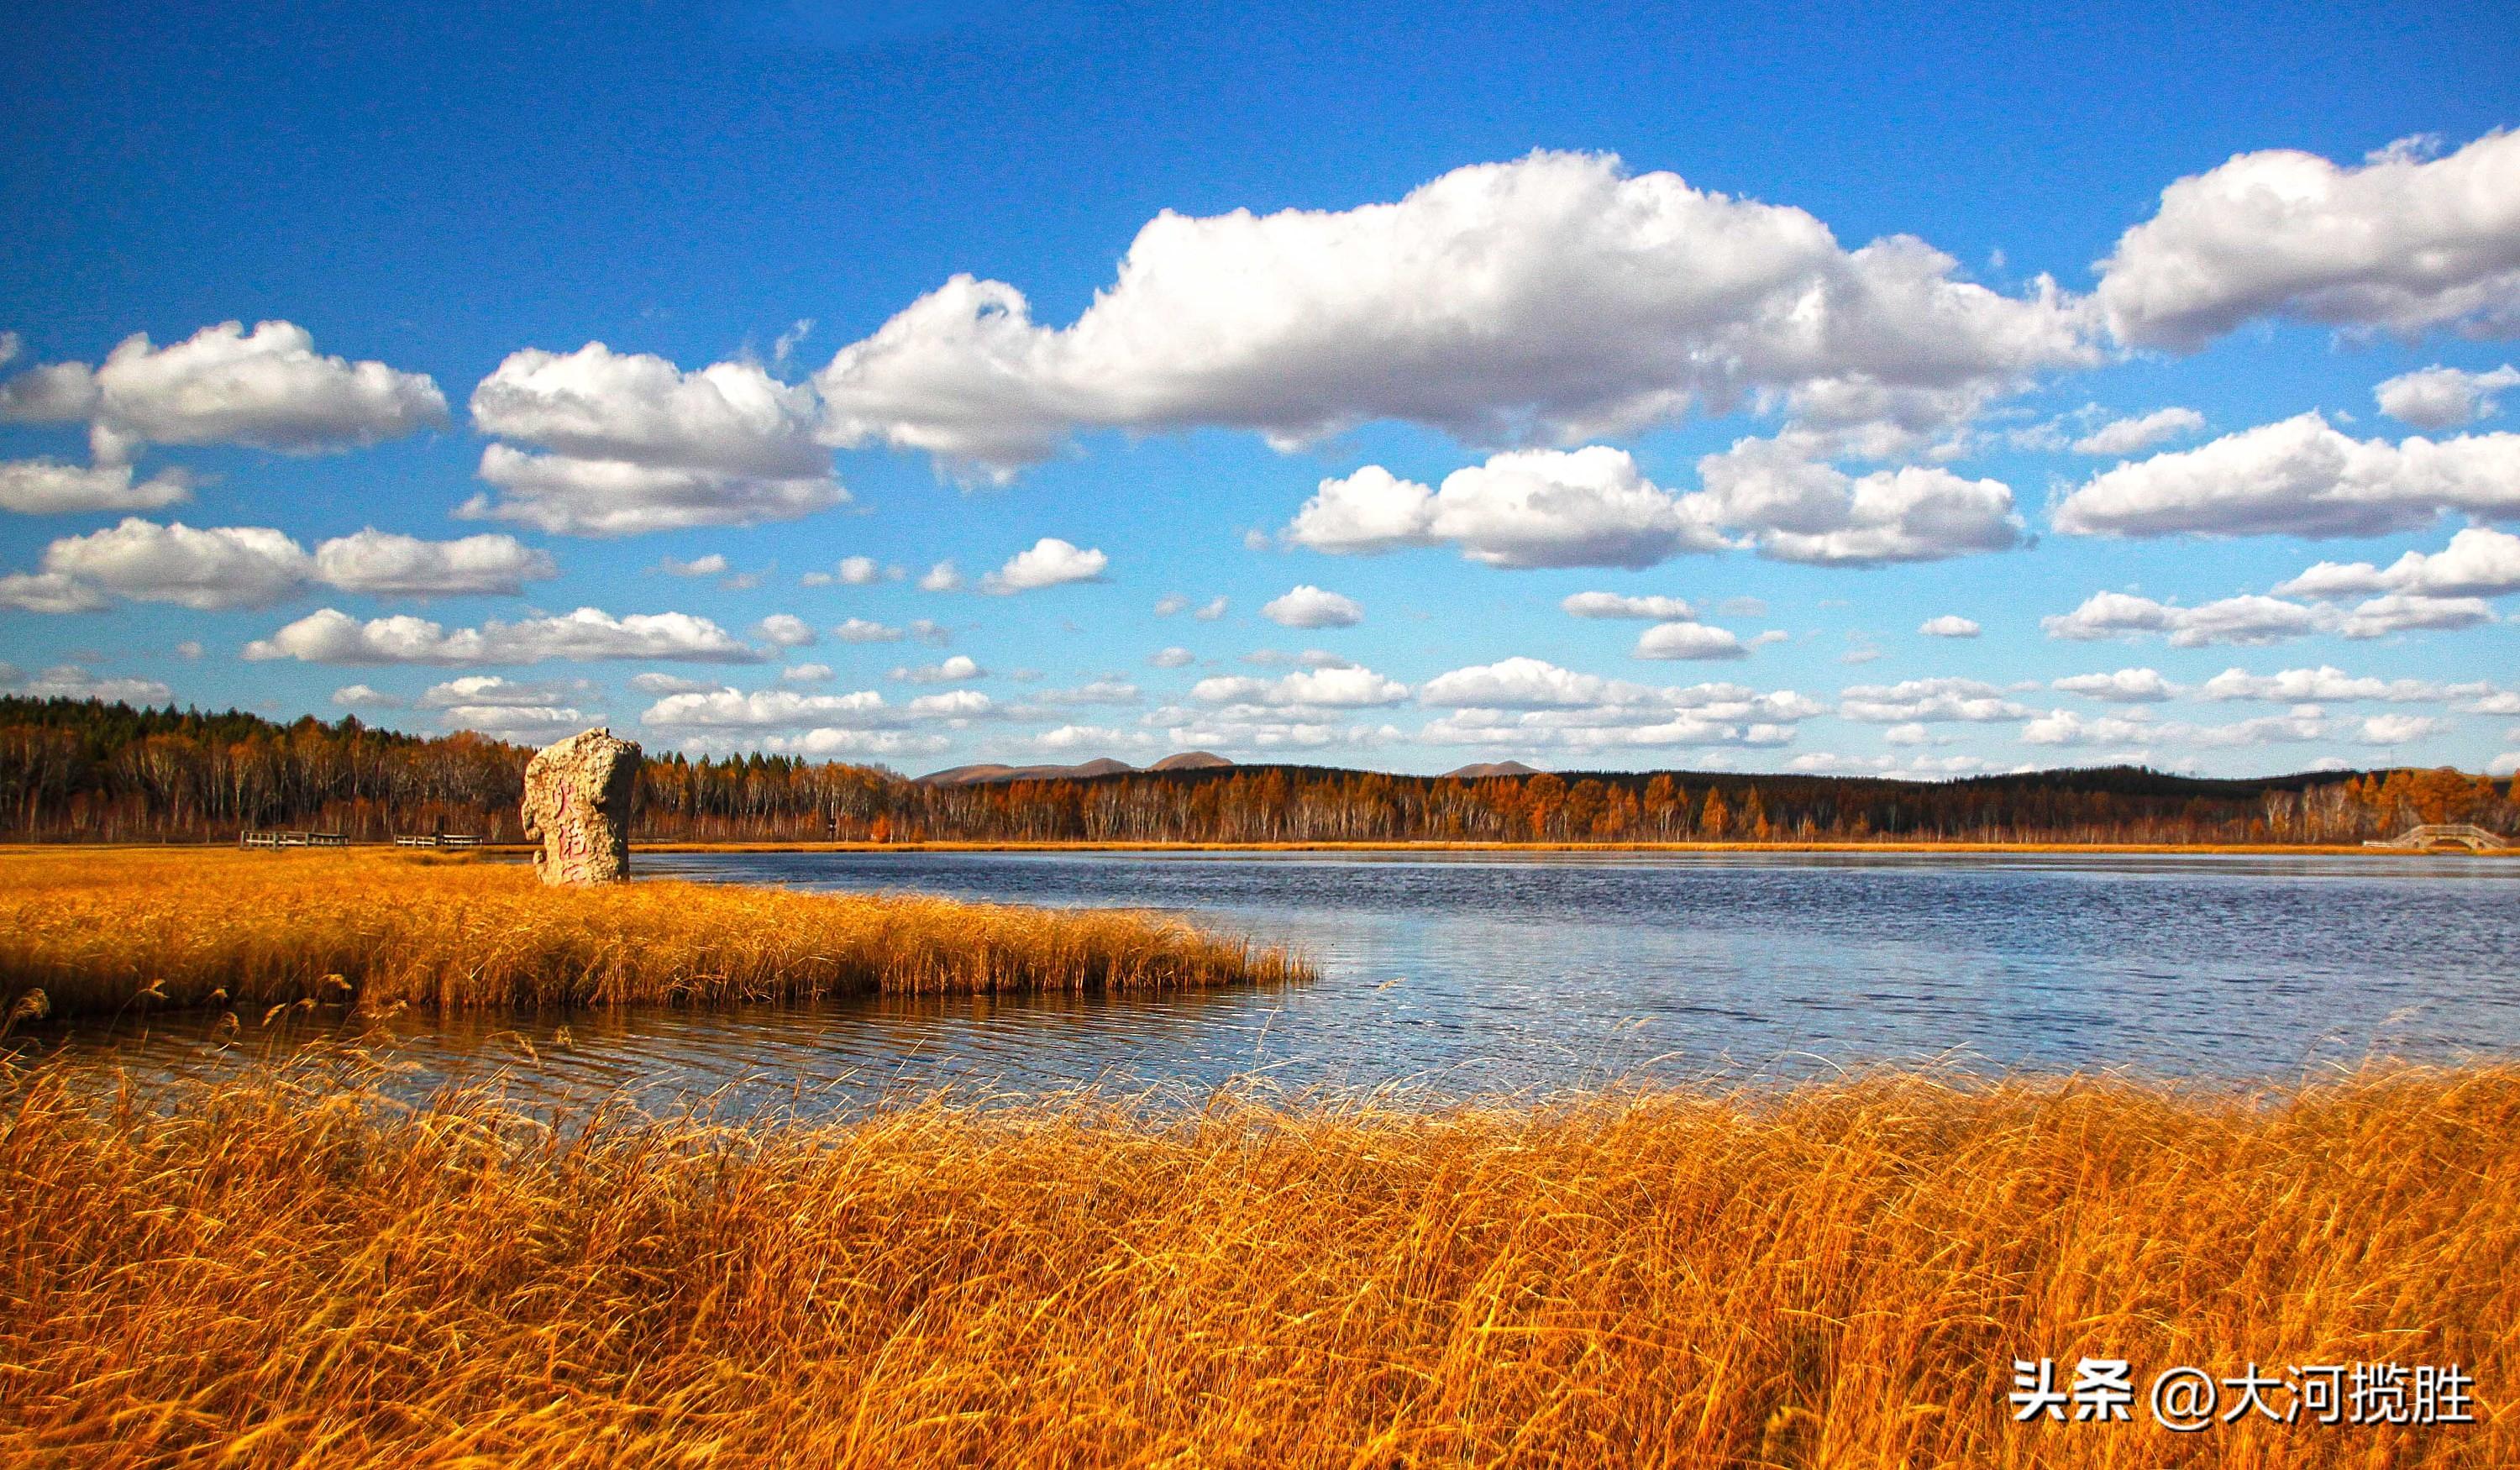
pixel 578 805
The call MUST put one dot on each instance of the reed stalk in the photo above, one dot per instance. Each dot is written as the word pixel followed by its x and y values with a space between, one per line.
pixel 279 1270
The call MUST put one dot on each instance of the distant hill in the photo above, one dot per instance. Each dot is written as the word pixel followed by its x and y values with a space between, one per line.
pixel 1485 769
pixel 981 775
pixel 1192 760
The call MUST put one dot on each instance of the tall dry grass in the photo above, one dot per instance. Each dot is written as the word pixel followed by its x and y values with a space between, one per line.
pixel 104 929
pixel 274 1271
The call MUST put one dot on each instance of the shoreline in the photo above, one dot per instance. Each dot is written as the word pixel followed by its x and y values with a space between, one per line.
pixel 518 850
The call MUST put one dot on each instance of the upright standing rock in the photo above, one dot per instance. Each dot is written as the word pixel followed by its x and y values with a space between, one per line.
pixel 577 802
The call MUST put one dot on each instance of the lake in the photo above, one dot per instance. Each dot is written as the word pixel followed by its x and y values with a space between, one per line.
pixel 1462 975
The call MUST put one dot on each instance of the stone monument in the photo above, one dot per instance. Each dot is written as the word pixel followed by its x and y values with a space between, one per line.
pixel 577 804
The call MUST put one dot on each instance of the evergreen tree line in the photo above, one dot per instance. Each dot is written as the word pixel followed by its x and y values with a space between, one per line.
pixel 85 770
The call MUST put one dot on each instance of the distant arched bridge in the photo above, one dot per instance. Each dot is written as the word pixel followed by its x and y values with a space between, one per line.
pixel 2436 835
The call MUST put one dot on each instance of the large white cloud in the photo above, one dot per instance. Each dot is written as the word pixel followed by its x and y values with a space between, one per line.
pixel 1535 508
pixel 1800 509
pixel 329 636
pixel 388 565
pixel 2301 478
pixel 220 566
pixel 2399 244
pixel 1552 297
pixel 1308 607
pixel 2477 562
pixel 1047 562
pixel 2440 398
pixel 1592 506
pixel 269 388
pixel 51 487
pixel 632 443
pixel 254 566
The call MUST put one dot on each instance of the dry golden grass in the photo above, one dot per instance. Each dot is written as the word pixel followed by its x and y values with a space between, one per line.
pixel 276 1271
pixel 103 929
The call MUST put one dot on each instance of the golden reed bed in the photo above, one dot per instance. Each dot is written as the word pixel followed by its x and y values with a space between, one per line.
pixel 276 1271
pixel 102 929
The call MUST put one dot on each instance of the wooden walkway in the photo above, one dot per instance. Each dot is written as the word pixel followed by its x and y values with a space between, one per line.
pixel 2438 835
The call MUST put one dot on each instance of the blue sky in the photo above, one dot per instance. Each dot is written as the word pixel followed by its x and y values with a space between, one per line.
pixel 1782 336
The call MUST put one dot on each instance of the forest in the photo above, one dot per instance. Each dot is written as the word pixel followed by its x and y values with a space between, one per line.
pixel 89 771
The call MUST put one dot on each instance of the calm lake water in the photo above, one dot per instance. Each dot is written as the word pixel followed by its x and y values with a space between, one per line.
pixel 1473 974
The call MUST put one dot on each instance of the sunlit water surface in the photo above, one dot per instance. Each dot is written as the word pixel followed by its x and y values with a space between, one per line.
pixel 1475 975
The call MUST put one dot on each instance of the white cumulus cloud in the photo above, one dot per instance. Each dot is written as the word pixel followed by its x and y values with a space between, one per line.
pixel 1049 562
pixel 1685 639
pixel 365 697
pixel 254 566
pixel 329 636
pixel 50 487
pixel 383 563
pixel 786 630
pixel 955 669
pixel 1614 604
pixel 1553 297
pixel 1928 701
pixel 2301 478
pixel 1800 509
pixel 625 443
pixel 2120 437
pixel 1535 508
pixel 2255 619
pixel 2477 562
pixel 1308 607
pixel 1949 625
pixel 2443 398
pixel 1312 688
pixel 268 388
pixel 858 630
pixel 222 566
pixel 69 680
pixel 2324 685
pixel 50 591
pixel 2399 243
pixel 2121 686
